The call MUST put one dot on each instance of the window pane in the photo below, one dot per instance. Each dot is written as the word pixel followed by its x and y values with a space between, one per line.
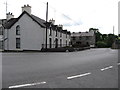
pixel 18 43
pixel 18 30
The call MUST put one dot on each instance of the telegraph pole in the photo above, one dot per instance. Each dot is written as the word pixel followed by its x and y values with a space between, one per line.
pixel 113 30
pixel 113 33
pixel 113 45
pixel 6 6
pixel 46 24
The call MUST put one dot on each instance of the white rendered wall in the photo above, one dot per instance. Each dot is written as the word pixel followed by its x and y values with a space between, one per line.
pixel 31 34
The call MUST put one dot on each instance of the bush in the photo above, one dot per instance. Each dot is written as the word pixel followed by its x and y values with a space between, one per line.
pixel 101 44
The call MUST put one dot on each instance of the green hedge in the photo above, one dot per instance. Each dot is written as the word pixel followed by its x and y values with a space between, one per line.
pixel 101 44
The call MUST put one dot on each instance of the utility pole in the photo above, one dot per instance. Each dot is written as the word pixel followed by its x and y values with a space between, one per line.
pixel 6 7
pixel 46 24
pixel 113 45
pixel 113 30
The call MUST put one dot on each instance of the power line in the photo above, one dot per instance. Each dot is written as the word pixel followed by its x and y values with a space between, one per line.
pixel 61 13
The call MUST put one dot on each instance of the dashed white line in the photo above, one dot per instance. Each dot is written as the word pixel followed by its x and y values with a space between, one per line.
pixel 106 68
pixel 118 64
pixel 71 77
pixel 25 85
pixel 76 76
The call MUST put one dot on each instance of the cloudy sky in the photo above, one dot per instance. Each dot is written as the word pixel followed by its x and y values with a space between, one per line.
pixel 75 15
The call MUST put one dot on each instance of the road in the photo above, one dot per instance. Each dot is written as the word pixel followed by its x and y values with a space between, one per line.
pixel 94 68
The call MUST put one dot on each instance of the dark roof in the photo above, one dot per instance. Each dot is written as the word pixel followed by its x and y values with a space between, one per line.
pixel 83 34
pixel 48 24
pixel 2 21
pixel 39 20
pixel 12 21
pixel 68 32
pixel 54 27
pixel 9 23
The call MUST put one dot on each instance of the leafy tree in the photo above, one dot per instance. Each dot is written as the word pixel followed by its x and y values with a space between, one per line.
pixel 104 37
pixel 105 40
pixel 119 35
pixel 110 40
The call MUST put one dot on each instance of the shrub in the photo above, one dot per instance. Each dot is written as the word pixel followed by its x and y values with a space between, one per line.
pixel 101 44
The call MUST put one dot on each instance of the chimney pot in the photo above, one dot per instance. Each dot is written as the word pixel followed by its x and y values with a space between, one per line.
pixel 9 16
pixel 26 8
pixel 52 21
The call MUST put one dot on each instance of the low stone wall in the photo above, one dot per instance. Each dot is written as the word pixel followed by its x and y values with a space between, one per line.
pixel 63 49
pixel 66 49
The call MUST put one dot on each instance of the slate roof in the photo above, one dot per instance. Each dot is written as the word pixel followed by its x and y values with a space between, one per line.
pixel 9 23
pixel 12 21
pixel 83 34
pixel 38 20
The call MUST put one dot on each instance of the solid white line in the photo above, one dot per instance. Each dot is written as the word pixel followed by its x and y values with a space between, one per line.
pixel 24 85
pixel 76 76
pixel 118 64
pixel 106 68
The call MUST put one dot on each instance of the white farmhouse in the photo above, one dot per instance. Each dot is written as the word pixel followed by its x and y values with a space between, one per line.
pixel 28 32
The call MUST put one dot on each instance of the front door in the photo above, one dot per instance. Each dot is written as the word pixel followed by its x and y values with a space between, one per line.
pixel 56 43
pixel 50 42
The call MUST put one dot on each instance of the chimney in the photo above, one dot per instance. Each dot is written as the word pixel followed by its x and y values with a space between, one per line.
pixel 9 16
pixel 60 26
pixel 26 8
pixel 52 21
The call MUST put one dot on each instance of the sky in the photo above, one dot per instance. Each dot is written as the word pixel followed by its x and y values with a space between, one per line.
pixel 74 15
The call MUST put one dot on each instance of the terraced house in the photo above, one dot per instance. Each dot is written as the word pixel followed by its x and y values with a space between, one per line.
pixel 2 21
pixel 28 32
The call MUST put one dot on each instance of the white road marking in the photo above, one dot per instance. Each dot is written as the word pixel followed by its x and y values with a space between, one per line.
pixel 76 76
pixel 106 68
pixel 118 64
pixel 24 85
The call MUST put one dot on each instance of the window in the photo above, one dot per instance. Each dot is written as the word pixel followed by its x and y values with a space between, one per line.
pixel 18 43
pixel 87 43
pixel 50 31
pixel 66 35
pixel 87 38
pixel 56 33
pixel 74 38
pixel 78 42
pixel 80 37
pixel 60 34
pixel 66 42
pixel 17 30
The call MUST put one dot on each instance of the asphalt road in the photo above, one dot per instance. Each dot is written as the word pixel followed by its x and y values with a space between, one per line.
pixel 94 68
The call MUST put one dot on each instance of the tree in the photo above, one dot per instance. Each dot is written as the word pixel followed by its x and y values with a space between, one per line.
pixel 110 40
pixel 104 37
